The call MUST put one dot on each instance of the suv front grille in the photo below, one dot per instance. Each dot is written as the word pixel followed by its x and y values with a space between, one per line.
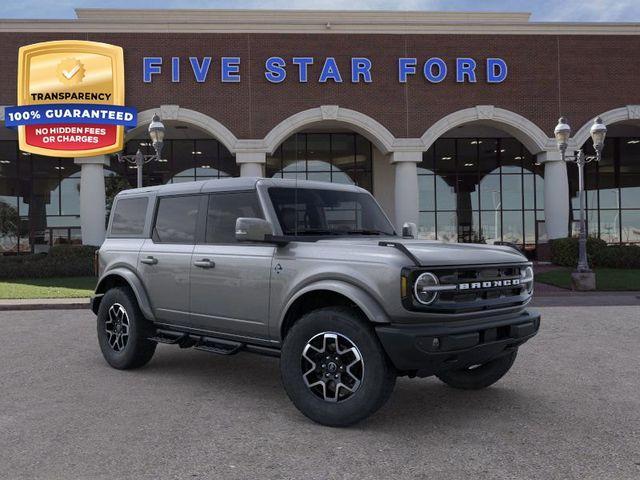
pixel 474 289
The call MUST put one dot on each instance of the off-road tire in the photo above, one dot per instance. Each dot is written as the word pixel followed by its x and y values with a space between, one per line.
pixel 137 350
pixel 378 375
pixel 481 376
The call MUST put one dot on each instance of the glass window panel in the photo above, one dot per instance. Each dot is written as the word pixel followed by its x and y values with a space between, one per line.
pixel 468 227
pixel 9 221
pixel 182 162
pixel 273 167
pixel 363 152
pixel 529 228
pixel 63 221
pixel 467 192
pixel 447 226
pixel 610 226
pixel 176 219
pixel 512 192
pixel 320 176
pixel 445 194
pixel 630 190
pixel 343 151
pixel 24 166
pixel 445 160
pixel 45 193
pixel 426 166
pixel 8 159
pixel 426 192
pixel 512 227
pixel 337 177
pixel 467 154
pixel 528 192
pixel 205 154
pixel 68 167
pixel 490 198
pixel 224 209
pixel 70 196
pixel 60 236
pixel 491 223
pixel 511 155
pixel 227 165
pixel 427 226
pixel 539 192
pixel 362 178
pixel 45 166
pixel 608 191
pixel 629 154
pixel 488 156
pixel 129 216
pixel 318 152
pixel 631 226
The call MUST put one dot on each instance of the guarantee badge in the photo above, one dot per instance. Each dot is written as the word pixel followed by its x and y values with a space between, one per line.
pixel 71 99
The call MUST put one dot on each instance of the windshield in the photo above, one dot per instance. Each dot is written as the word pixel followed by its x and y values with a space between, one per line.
pixel 307 211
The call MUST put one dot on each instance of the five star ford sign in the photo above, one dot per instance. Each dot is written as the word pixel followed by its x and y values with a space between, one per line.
pixel 70 99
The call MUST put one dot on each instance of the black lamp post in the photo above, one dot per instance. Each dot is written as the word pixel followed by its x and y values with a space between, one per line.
pixel 562 133
pixel 156 133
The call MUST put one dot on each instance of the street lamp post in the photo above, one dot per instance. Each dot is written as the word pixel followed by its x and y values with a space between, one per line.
pixel 156 133
pixel 562 133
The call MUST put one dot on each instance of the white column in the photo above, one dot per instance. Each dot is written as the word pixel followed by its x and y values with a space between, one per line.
pixel 92 199
pixel 251 163
pixel 406 187
pixel 556 194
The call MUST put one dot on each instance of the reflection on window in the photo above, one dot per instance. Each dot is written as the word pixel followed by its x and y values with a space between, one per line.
pixel 480 190
pixel 325 157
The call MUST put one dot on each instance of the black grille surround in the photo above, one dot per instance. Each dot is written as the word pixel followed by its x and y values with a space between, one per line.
pixel 475 288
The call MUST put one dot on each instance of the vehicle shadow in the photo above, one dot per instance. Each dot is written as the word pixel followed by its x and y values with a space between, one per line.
pixel 415 404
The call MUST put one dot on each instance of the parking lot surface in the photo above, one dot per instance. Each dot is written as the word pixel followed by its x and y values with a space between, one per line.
pixel 569 408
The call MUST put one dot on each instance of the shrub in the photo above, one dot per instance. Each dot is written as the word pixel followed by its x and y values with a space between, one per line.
pixel 564 252
pixel 61 261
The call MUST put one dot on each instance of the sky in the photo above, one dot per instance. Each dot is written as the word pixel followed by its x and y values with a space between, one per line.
pixel 542 10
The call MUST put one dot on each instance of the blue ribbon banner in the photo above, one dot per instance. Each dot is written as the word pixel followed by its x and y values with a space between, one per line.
pixel 70 113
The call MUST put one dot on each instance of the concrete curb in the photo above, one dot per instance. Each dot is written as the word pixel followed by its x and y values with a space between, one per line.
pixel 44 304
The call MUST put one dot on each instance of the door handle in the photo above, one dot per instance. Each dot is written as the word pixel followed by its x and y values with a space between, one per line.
pixel 149 260
pixel 204 263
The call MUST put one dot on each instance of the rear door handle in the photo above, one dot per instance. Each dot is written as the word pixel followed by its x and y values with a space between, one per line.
pixel 204 263
pixel 149 260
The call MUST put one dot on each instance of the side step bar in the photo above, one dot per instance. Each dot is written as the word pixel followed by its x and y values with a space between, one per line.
pixel 220 346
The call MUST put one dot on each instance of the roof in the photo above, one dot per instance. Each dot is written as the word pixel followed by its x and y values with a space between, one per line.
pixel 236 183
pixel 310 21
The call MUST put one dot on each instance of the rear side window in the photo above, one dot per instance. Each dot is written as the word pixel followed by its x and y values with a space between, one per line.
pixel 224 209
pixel 129 215
pixel 176 219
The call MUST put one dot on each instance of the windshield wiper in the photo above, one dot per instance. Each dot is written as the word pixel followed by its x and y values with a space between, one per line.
pixel 366 232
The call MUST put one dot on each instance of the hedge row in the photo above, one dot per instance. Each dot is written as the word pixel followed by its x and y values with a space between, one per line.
pixel 61 261
pixel 564 252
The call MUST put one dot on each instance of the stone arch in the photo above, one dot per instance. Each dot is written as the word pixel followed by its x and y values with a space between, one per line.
pixel 382 138
pixel 527 132
pixel 622 114
pixel 197 119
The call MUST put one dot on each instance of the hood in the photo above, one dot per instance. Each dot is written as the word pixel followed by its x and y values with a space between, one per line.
pixel 435 253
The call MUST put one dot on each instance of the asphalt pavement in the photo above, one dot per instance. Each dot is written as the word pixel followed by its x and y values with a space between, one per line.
pixel 569 408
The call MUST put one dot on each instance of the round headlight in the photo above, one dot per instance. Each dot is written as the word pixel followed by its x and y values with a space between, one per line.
pixel 422 288
pixel 526 278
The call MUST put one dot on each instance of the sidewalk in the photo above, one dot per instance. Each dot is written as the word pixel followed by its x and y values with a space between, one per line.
pixel 44 304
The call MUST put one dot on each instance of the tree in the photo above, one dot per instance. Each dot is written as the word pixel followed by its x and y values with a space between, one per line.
pixel 113 185
pixel 9 221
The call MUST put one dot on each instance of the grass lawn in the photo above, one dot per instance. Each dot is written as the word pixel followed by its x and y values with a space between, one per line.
pixel 69 287
pixel 606 278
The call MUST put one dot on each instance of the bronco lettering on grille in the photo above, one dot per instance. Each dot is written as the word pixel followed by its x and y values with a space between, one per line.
pixel 508 282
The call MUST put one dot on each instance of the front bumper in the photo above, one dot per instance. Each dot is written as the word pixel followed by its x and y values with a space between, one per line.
pixel 427 349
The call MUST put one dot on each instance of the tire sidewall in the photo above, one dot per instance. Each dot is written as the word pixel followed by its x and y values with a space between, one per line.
pixel 371 393
pixel 122 359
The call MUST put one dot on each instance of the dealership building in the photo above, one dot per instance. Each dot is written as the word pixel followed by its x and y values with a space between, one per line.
pixel 446 118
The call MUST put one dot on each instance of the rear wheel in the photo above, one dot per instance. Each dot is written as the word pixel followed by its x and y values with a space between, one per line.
pixel 477 377
pixel 334 368
pixel 123 331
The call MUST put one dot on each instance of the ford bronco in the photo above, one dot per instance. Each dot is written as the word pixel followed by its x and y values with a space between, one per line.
pixel 315 274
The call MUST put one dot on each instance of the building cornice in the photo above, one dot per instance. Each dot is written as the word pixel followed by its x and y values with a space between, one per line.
pixel 308 21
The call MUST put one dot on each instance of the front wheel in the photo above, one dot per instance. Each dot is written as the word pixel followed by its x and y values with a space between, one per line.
pixel 333 367
pixel 481 376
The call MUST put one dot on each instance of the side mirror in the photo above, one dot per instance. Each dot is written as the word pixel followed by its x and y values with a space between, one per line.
pixel 252 229
pixel 409 230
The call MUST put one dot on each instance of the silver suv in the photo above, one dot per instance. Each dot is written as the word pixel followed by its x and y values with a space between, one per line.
pixel 313 273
